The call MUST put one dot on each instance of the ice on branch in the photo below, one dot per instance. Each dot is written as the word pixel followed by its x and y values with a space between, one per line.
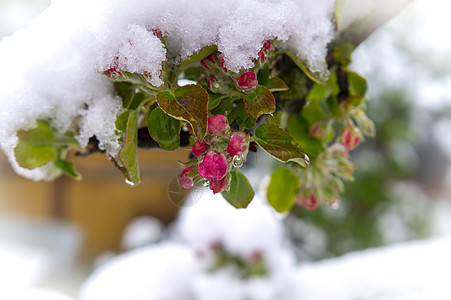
pixel 55 70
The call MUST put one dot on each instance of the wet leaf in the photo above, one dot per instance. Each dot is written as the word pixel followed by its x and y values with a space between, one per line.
pixel 128 157
pixel 276 84
pixel 302 66
pixel 189 103
pixel 241 192
pixel 262 102
pixel 279 144
pixel 35 147
pixel 164 129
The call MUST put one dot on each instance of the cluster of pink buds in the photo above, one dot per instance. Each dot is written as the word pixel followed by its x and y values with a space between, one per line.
pixel 267 46
pixel 220 151
pixel 323 180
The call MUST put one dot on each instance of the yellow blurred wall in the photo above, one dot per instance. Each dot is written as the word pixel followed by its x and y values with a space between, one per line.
pixel 101 203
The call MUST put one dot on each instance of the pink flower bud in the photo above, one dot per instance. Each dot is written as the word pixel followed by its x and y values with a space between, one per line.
pixel 157 32
pixel 264 50
pixel 212 82
pixel 237 145
pixel 350 138
pixel 248 80
pixel 214 166
pixel 222 62
pixel 219 186
pixel 318 130
pixel 199 147
pixel 311 202
pixel 113 72
pixel 204 65
pixel 217 124
pixel 187 182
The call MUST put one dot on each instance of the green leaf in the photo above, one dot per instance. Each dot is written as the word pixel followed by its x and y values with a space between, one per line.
pixel 276 85
pixel 263 75
pixel 302 66
pixel 189 103
pixel 68 168
pixel 313 112
pixel 241 192
pixel 35 147
pixel 214 101
pixel 279 144
pixel 282 189
pixel 339 6
pixel 128 157
pixel 164 129
pixel 239 115
pixel 317 93
pixel 357 84
pixel 121 121
pixel 299 129
pixel 262 102
pixel 198 56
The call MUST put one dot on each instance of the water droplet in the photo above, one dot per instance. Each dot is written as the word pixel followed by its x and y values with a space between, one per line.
pixel 136 90
pixel 234 105
pixel 185 128
pixel 306 160
pixel 335 204
pixel 206 183
pixel 272 115
pixel 130 183
pixel 238 161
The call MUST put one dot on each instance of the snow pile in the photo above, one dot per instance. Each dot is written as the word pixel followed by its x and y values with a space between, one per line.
pixel 181 270
pixel 415 270
pixel 53 69
pixel 242 233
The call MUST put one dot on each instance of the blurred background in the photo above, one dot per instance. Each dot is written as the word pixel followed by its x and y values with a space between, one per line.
pixel 52 234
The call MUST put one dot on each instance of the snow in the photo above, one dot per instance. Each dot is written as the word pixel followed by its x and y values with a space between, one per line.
pixel 53 69
pixel 416 270
pixel 178 268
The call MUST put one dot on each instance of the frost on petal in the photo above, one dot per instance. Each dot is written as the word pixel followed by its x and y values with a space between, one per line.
pixel 214 166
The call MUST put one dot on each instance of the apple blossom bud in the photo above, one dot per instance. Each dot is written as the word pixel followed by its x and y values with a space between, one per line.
pixel 157 32
pixel 350 137
pixel 204 65
pixel 319 130
pixel 237 145
pixel 219 186
pixel 113 72
pixel 214 166
pixel 217 124
pixel 264 50
pixel 248 80
pixel 310 202
pixel 222 62
pixel 187 182
pixel 212 82
pixel 199 147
